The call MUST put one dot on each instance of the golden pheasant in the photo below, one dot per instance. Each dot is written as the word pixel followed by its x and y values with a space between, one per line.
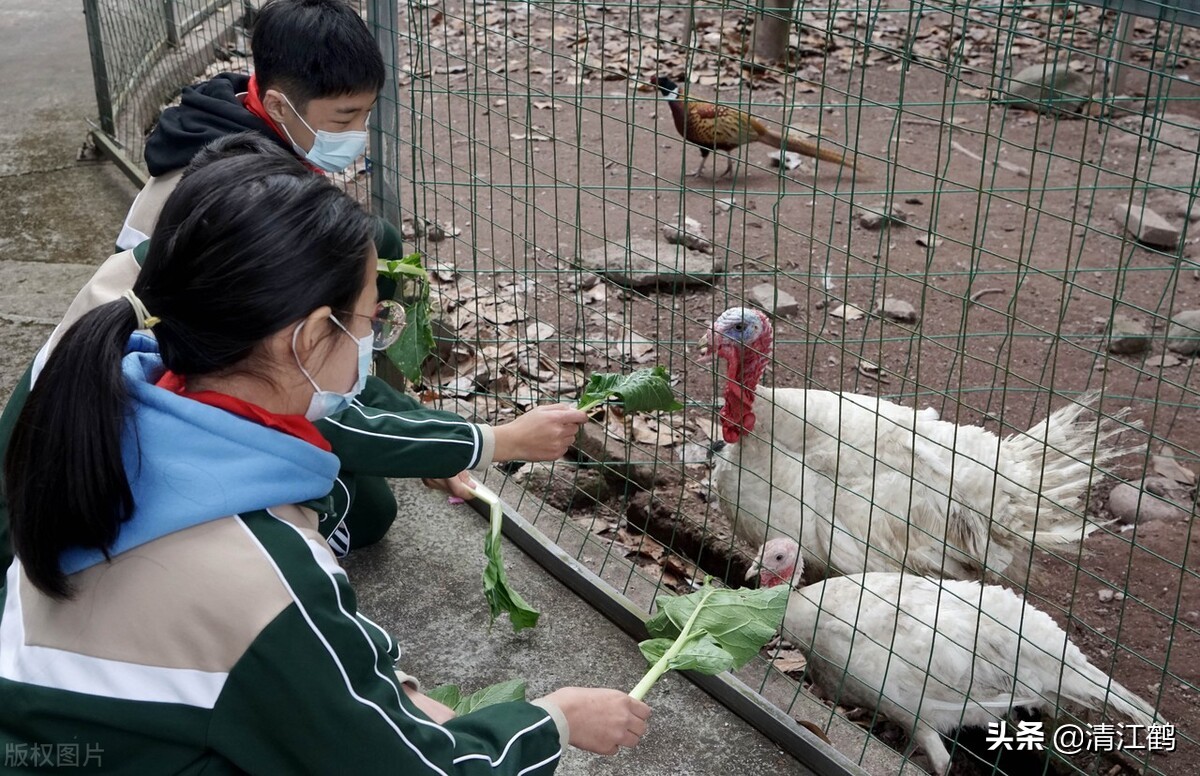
pixel 714 127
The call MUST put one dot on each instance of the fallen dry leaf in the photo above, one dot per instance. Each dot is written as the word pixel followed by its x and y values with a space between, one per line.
pixel 539 331
pixel 789 661
pixel 648 431
pixel 1171 469
pixel 873 371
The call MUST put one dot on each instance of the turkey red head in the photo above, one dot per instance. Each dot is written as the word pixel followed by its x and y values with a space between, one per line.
pixel 743 337
pixel 779 563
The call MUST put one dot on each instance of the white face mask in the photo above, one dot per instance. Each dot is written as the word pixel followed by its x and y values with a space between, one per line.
pixel 331 151
pixel 326 403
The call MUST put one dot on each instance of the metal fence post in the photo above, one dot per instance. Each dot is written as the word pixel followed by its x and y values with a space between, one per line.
pixel 172 22
pixel 91 14
pixel 385 202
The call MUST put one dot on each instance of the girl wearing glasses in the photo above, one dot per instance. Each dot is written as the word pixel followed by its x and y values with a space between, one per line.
pixel 382 433
pixel 163 606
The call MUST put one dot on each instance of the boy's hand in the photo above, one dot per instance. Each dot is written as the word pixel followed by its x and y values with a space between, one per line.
pixel 542 434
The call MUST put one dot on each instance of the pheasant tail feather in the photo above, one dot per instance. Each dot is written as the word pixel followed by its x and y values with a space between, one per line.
pixel 806 147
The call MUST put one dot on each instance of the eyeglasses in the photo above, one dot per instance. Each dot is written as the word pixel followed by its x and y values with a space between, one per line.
pixel 387 323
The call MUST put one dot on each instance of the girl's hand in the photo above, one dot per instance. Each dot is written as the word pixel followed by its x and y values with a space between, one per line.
pixel 438 712
pixel 542 434
pixel 458 486
pixel 601 721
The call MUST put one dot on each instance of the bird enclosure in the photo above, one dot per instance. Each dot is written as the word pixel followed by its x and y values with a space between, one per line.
pixel 1005 254
pixel 1013 238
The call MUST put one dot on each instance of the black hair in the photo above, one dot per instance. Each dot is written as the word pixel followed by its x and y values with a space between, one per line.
pixel 314 49
pixel 237 144
pixel 245 247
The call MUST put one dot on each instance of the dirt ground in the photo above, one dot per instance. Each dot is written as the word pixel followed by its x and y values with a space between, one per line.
pixel 528 152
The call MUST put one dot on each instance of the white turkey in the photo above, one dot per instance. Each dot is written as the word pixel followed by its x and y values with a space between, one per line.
pixel 935 656
pixel 868 485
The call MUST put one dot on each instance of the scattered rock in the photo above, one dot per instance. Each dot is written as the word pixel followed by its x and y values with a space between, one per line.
pixel 1184 334
pixel 847 312
pixel 1166 487
pixel 1104 594
pixel 1163 361
pixel 1154 498
pixel 1053 88
pixel 777 302
pixel 688 233
pixel 1127 336
pixel 1168 467
pixel 645 263
pixel 874 220
pixel 897 310
pixel 585 281
pixel 791 159
pixel 1192 616
pixel 1147 226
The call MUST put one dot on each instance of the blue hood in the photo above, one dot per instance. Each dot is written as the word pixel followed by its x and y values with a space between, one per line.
pixel 189 463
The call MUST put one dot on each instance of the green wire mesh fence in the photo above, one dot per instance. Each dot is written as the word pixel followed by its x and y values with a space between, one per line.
pixel 1014 237
pixel 144 52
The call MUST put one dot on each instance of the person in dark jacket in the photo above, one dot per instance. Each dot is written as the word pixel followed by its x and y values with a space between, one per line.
pixel 317 74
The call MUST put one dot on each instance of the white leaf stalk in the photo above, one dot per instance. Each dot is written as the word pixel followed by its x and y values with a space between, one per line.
pixel 664 663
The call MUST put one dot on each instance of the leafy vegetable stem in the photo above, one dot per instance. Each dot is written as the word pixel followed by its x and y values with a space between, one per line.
pixel 661 667
pixel 592 404
pixel 393 268
pixel 499 594
pixel 495 510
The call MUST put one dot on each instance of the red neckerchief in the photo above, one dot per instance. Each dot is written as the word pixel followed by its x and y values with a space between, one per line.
pixel 295 425
pixel 253 103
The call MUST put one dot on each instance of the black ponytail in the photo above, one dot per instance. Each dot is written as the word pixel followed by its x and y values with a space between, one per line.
pixel 82 493
pixel 244 247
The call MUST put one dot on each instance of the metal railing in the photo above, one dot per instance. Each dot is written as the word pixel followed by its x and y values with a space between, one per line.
pixel 142 54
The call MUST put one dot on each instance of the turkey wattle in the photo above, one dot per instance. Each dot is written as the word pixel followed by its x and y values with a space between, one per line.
pixel 868 485
pixel 935 656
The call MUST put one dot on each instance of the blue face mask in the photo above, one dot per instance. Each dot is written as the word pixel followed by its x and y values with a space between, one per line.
pixel 326 403
pixel 331 151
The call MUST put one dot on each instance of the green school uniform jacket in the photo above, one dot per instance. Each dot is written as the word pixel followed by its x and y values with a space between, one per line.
pixel 386 433
pixel 222 636
pixel 231 647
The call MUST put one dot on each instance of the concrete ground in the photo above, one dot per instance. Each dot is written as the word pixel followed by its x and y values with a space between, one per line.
pixel 422 583
pixel 58 217
pixel 58 220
